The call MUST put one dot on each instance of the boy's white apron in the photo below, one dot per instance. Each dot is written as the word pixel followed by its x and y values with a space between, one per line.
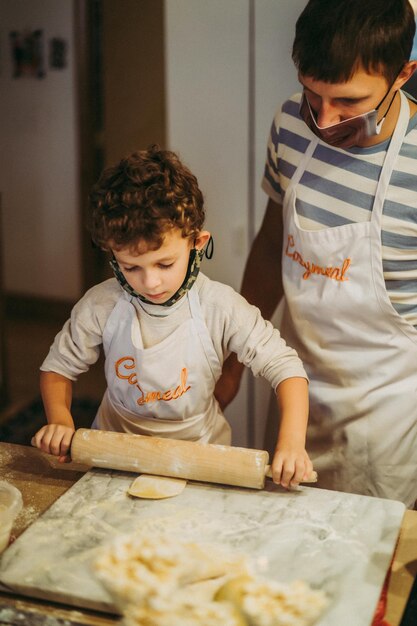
pixel 165 390
pixel 360 354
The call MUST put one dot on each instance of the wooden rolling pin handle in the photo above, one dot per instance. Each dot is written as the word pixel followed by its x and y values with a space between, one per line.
pixel 310 479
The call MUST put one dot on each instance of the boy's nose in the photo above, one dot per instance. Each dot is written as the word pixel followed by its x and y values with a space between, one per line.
pixel 151 279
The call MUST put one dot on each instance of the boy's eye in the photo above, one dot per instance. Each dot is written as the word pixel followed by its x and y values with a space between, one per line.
pixel 165 266
pixel 130 269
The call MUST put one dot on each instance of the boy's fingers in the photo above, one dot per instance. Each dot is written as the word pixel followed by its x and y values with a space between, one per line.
pixel 276 473
pixel 298 476
pixel 55 446
pixel 64 459
pixel 287 476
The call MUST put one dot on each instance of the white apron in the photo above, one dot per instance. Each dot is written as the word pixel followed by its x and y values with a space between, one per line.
pixel 360 354
pixel 165 390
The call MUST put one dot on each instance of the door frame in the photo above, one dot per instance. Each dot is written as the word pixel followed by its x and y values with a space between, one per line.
pixel 4 394
pixel 89 94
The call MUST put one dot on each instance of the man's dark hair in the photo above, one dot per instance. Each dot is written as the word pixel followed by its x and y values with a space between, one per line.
pixel 334 38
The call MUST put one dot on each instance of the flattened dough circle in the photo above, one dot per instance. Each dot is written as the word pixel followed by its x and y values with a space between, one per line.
pixel 156 487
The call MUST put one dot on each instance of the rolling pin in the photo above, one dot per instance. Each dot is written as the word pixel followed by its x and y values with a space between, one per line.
pixel 228 465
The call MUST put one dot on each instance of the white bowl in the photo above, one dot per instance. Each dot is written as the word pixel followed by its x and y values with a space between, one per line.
pixel 11 504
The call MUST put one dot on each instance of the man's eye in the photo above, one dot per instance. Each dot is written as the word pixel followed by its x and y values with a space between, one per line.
pixel 348 101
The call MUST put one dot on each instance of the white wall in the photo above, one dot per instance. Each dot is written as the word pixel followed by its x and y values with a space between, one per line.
pixel 207 116
pixel 207 86
pixel 210 82
pixel 38 152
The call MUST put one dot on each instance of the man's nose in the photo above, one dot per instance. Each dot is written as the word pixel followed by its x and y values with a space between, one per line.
pixel 327 114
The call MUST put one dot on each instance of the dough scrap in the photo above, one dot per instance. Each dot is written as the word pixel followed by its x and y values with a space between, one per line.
pixel 157 580
pixel 138 567
pixel 156 487
pixel 271 603
pixel 189 613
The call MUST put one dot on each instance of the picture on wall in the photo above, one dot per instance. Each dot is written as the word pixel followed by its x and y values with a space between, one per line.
pixel 27 53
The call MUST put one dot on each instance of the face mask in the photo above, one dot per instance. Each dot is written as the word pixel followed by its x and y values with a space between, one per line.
pixel 193 269
pixel 348 133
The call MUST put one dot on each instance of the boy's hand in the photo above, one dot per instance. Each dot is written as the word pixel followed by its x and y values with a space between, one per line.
pixel 290 466
pixel 55 439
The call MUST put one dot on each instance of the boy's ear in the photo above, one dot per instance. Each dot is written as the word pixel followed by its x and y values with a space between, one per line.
pixel 201 239
pixel 405 74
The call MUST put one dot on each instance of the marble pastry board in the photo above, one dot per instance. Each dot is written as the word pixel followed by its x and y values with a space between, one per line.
pixel 340 543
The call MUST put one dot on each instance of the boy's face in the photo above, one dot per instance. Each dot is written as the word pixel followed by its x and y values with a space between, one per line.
pixel 335 102
pixel 158 274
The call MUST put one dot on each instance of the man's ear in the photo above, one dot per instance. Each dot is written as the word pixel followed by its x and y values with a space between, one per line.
pixel 201 239
pixel 405 74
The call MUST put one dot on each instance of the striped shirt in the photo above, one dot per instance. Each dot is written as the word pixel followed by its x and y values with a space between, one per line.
pixel 338 187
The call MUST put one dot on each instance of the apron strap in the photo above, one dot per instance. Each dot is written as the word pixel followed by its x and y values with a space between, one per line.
pixel 303 163
pixel 390 159
pixel 202 330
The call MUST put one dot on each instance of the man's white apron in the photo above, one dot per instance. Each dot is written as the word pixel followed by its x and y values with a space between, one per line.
pixel 165 390
pixel 360 354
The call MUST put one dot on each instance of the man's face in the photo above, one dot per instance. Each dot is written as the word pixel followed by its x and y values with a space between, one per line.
pixel 335 102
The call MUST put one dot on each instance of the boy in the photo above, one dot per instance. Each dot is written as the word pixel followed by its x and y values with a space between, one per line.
pixel 339 240
pixel 165 328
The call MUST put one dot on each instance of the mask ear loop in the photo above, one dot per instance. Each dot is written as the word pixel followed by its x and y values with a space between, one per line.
pixel 196 256
pixel 121 279
pixel 209 248
pixel 193 269
pixel 382 120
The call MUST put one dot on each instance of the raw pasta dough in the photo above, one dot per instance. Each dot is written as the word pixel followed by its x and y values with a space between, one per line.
pixel 157 580
pixel 270 603
pixel 142 565
pixel 156 487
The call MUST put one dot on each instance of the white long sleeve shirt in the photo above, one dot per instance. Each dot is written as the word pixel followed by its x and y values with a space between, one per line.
pixel 234 326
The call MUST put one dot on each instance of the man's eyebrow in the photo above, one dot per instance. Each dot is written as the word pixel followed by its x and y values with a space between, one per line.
pixel 356 98
pixel 308 88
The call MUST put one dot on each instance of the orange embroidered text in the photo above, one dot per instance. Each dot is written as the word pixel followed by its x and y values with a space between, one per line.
pixel 124 367
pixel 336 273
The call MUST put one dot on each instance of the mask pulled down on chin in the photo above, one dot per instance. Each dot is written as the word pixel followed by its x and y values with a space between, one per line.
pixel 347 133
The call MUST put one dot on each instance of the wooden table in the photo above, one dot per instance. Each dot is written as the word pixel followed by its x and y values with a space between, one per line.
pixel 42 480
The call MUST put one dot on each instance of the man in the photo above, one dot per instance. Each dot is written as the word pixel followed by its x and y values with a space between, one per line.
pixel 339 240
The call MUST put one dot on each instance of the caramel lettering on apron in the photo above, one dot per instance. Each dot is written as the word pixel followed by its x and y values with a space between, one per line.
pixel 335 273
pixel 128 363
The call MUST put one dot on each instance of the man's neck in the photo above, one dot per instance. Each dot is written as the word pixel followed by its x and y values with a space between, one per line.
pixel 389 123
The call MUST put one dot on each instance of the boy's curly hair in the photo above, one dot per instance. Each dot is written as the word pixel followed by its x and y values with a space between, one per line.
pixel 145 195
